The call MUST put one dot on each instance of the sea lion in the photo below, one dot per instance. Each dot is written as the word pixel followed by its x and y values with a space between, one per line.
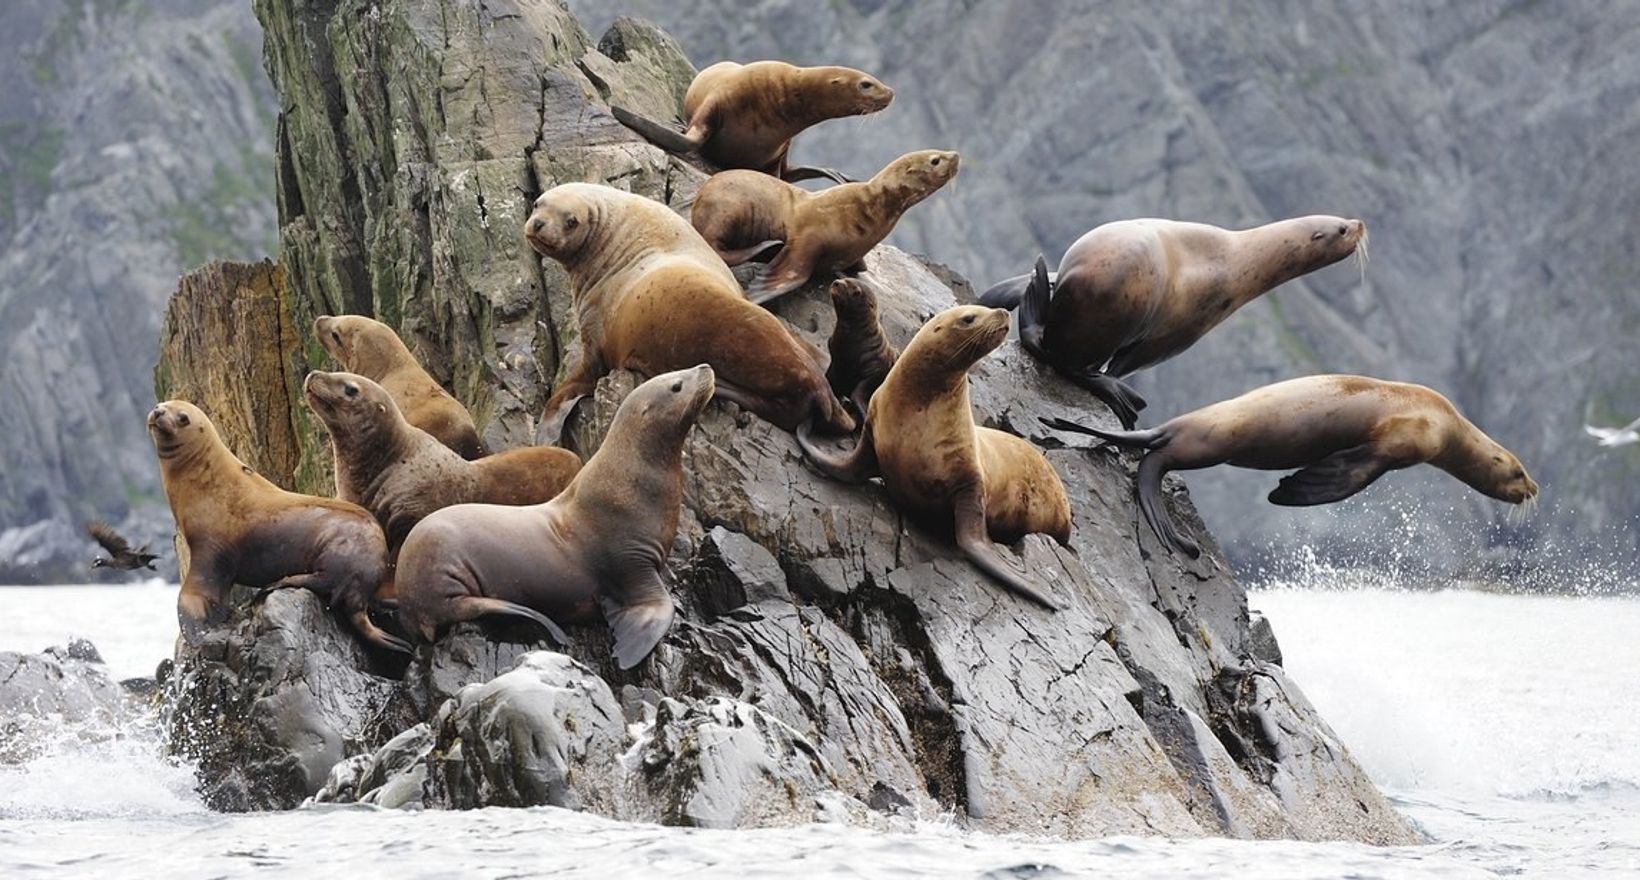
pixel 651 296
pixel 1342 432
pixel 599 546
pixel 400 473
pixel 242 529
pixel 861 355
pixel 920 437
pixel 1133 293
pixel 742 214
pixel 373 350
pixel 745 115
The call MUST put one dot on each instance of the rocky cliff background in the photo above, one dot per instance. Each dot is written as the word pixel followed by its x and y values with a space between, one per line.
pixel 135 142
pixel 1484 143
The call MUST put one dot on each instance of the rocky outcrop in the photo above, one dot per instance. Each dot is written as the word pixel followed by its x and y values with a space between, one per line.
pixel 1470 137
pixel 134 143
pixel 60 692
pixel 828 654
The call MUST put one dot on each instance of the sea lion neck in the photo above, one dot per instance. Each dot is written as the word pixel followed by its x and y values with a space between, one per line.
pixel 1266 257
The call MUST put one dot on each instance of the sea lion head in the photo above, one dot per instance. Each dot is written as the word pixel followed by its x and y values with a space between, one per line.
pixel 918 174
pixel 353 407
pixel 1326 240
pixel 179 428
pixel 850 92
pixel 562 220
pixel 853 299
pixel 1503 476
pixel 363 345
pixel 958 337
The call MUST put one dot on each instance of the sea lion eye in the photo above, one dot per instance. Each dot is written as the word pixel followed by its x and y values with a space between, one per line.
pixel 571 221
pixel 677 386
pixel 1342 230
pixel 336 335
pixel 935 162
pixel 351 390
pixel 182 420
pixel 968 320
pixel 865 86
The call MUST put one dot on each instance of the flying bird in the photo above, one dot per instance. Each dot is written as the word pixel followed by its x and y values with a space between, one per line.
pixel 1623 436
pixel 120 555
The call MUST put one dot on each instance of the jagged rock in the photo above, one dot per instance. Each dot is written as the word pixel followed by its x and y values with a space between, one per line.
pixel 1261 640
pixel 57 692
pixel 858 653
pixel 270 705
pixel 394 776
pixel 547 733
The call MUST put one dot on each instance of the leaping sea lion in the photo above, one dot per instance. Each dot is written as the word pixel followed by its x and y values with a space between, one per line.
pixel 400 473
pixel 373 350
pixel 745 115
pixel 242 529
pixel 599 546
pixel 1133 293
pixel 1342 432
pixel 651 296
pixel 920 437
pixel 742 213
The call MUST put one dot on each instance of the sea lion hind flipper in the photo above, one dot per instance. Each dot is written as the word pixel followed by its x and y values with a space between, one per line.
pixel 639 627
pixel 1151 470
pixel 857 466
pixel 1150 438
pixel 800 173
pixel 668 139
pixel 474 607
pixel 782 276
pixel 1334 478
pixel 1123 401
pixel 975 543
pixel 760 252
pixel 1033 309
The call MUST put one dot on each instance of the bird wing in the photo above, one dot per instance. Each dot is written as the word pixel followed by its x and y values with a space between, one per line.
pixel 105 535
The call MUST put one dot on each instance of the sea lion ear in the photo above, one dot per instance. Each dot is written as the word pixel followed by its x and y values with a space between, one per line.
pixel 381 407
pixel 1317 235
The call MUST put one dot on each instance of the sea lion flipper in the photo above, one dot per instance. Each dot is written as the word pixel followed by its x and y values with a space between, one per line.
pixel 375 635
pixel 666 138
pixel 640 626
pixel 859 465
pixel 763 249
pixel 1151 470
pixel 474 607
pixel 1033 309
pixel 1334 478
pixel 975 543
pixel 1123 401
pixel 787 273
pixel 198 610
pixel 800 173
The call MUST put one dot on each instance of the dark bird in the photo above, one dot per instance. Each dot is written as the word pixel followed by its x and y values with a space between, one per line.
pixel 120 554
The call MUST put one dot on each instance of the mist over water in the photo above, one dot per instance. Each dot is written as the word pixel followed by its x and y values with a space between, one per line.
pixel 1506 726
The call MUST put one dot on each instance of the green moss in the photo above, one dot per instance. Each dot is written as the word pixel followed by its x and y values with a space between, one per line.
pixel 205 228
pixel 38 158
pixel 1344 68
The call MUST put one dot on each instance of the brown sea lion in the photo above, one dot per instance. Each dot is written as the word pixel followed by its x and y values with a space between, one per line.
pixel 1342 432
pixel 651 296
pixel 742 213
pixel 371 349
pixel 745 115
pixel 400 473
pixel 242 529
pixel 598 547
pixel 920 437
pixel 1133 293
pixel 861 355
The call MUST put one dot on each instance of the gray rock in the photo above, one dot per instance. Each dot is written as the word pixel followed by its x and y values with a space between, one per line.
pixel 60 692
pixel 394 776
pixel 268 706
pixel 1261 640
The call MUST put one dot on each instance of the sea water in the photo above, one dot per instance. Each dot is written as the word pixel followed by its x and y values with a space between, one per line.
pixel 1506 727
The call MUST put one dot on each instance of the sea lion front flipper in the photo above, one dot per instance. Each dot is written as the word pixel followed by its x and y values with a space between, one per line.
pixel 578 384
pixel 800 173
pixel 668 139
pixel 859 465
pixel 1334 478
pixel 974 540
pixel 370 632
pixel 1033 309
pixel 199 606
pixel 640 626
pixel 1123 401
pixel 1151 470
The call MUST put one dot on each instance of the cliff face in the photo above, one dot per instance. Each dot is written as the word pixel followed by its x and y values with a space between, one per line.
pixel 1476 139
pixel 134 143
pixel 822 641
